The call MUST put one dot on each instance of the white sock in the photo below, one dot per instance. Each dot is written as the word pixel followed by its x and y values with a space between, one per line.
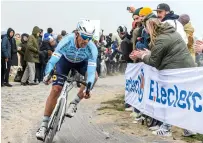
pixel 45 121
pixel 76 100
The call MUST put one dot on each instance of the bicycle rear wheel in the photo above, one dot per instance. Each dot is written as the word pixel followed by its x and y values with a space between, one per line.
pixel 54 125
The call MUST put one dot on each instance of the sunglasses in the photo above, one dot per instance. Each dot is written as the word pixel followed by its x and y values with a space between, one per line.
pixel 84 37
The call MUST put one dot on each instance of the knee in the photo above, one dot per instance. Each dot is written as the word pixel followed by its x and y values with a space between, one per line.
pixel 56 90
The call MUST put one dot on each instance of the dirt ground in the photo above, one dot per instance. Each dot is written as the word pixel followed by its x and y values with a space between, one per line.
pixel 22 110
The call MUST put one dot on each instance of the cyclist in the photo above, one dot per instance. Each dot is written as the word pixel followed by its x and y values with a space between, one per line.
pixel 76 51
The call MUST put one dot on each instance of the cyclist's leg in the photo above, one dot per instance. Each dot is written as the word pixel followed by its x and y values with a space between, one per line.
pixel 62 67
pixel 82 69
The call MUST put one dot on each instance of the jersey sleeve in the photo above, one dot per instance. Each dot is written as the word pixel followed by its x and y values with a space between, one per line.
pixel 60 49
pixel 92 63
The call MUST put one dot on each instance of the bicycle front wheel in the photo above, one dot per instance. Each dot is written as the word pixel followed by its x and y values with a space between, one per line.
pixel 54 125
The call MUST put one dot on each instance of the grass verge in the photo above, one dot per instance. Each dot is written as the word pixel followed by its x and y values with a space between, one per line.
pixel 118 105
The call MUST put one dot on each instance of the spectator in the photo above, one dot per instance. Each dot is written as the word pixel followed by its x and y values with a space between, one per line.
pixel 108 41
pixel 126 44
pixel 3 34
pixel 46 50
pixel 115 40
pixel 189 30
pixel 199 46
pixel 18 39
pixel 137 27
pixel 102 40
pixel 49 33
pixel 8 56
pixel 38 65
pixel 166 15
pixel 63 33
pixel 59 38
pixel 23 47
pixel 199 52
pixel 131 9
pixel 143 41
pixel 168 51
pixel 31 57
pixel 183 60
pixel 40 37
pixel 96 42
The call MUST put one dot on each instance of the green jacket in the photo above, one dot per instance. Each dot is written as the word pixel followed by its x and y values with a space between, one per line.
pixel 169 51
pixel 32 50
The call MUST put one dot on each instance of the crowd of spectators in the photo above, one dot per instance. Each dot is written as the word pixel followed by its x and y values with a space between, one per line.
pixel 164 40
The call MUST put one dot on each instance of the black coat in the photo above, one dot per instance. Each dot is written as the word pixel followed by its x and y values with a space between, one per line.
pixel 9 48
pixel 126 49
pixel 170 16
pixel 44 52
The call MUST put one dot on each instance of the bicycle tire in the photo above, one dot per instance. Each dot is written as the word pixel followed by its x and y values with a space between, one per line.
pixel 51 133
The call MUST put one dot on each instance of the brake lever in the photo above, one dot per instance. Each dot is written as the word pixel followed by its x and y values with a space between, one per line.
pixel 88 88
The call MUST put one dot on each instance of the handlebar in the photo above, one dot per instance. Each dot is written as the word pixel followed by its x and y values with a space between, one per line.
pixel 88 85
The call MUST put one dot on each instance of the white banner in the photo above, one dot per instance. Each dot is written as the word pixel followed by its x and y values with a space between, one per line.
pixel 172 96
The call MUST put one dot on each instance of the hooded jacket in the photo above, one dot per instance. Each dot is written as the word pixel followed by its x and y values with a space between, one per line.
pixel 172 19
pixel 32 50
pixel 169 51
pixel 8 45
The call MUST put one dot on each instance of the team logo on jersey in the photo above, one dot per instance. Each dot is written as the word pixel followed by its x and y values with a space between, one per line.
pixel 54 78
pixel 56 55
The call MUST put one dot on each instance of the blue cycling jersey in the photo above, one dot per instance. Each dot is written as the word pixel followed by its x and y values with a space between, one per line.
pixel 68 49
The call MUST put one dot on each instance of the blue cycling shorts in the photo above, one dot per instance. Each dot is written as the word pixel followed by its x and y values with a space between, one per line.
pixel 64 66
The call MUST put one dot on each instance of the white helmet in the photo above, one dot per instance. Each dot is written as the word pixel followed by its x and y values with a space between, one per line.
pixel 86 29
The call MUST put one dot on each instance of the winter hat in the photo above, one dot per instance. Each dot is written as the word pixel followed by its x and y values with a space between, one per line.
pixel 184 19
pixel 137 11
pixel 145 11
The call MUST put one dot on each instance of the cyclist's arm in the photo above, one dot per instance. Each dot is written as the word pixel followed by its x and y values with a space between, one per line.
pixel 91 68
pixel 57 54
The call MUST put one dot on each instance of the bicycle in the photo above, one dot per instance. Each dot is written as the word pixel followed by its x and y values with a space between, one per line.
pixel 58 114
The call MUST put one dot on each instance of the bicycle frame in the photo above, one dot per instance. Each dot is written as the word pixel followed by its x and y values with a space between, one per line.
pixel 64 95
